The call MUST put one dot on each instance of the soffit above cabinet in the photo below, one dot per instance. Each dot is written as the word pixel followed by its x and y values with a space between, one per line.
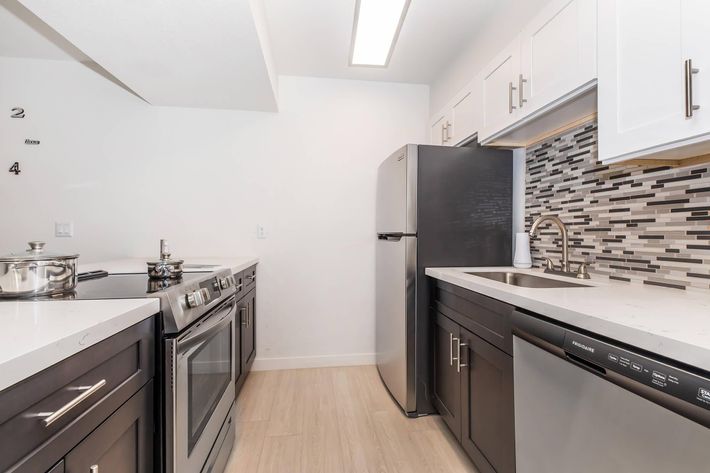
pixel 177 53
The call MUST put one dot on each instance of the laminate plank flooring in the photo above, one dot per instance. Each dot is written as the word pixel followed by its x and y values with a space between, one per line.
pixel 335 420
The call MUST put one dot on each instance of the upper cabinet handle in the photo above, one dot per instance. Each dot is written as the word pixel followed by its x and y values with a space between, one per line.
pixel 511 107
pixel 447 127
pixel 689 71
pixel 521 81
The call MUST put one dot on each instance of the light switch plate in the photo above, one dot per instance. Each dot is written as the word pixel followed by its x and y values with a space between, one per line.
pixel 260 232
pixel 64 229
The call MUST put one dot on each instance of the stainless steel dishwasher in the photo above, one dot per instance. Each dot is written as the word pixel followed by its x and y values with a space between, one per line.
pixel 584 405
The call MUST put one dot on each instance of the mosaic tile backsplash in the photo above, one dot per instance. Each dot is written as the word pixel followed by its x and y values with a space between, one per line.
pixel 636 224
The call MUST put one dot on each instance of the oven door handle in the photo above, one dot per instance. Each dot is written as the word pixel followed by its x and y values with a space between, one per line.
pixel 207 330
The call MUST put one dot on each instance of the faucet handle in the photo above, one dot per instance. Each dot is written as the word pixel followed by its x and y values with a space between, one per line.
pixel 582 272
pixel 549 265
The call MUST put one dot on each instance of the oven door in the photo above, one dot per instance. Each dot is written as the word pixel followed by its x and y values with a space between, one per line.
pixel 202 388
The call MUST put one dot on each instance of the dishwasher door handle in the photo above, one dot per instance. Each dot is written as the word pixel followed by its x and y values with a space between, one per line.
pixel 582 363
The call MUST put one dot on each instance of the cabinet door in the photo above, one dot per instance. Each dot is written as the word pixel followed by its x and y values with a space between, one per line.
pixel 487 410
pixel 641 94
pixel 696 38
pixel 249 331
pixel 437 129
pixel 499 91
pixel 121 444
pixel 558 55
pixel 464 115
pixel 447 384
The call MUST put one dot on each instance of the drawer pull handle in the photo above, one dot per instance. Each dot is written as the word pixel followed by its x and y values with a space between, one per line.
pixel 56 415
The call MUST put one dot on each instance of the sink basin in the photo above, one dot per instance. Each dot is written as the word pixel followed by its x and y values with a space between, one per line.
pixel 524 280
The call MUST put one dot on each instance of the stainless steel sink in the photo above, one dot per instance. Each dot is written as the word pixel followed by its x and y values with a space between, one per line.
pixel 524 280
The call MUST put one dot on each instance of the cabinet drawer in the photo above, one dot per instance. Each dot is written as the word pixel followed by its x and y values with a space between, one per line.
pixel 101 378
pixel 250 278
pixel 488 318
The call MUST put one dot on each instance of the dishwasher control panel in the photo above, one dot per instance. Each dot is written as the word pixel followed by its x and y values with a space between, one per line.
pixel 602 357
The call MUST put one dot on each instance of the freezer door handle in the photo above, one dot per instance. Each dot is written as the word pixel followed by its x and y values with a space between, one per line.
pixel 394 236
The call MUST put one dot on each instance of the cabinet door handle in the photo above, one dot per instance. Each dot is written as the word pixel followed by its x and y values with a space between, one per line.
pixel 458 353
pixel 460 365
pixel 94 469
pixel 511 107
pixel 451 349
pixel 447 127
pixel 242 317
pixel 51 417
pixel 249 314
pixel 521 81
pixel 689 71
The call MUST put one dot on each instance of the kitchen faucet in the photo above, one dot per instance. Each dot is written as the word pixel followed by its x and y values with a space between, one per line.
pixel 565 237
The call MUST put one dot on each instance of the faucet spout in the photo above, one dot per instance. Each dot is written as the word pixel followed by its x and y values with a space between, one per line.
pixel 563 230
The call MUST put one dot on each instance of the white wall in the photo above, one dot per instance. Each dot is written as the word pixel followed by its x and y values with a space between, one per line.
pixel 485 43
pixel 127 174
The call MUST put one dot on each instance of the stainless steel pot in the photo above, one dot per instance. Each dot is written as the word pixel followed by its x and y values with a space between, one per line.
pixel 165 267
pixel 35 272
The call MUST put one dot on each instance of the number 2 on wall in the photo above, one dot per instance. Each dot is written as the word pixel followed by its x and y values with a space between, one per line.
pixel 18 112
pixel 15 168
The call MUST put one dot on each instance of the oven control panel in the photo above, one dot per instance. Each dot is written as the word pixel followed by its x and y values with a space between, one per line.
pixel 663 377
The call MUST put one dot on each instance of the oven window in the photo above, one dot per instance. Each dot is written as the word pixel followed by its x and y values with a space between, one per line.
pixel 209 375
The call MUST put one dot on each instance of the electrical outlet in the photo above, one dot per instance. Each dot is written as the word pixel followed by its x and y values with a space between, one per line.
pixel 260 232
pixel 63 229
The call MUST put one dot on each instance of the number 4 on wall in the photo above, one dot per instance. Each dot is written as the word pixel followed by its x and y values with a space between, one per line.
pixel 15 168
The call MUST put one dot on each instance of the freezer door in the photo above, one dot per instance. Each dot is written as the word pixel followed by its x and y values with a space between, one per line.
pixel 395 316
pixel 397 191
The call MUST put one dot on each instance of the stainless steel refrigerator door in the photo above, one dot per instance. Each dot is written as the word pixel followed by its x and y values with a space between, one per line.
pixel 397 192
pixel 395 317
pixel 567 419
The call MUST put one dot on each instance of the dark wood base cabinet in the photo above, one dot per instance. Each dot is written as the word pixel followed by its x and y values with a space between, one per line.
pixel 90 413
pixel 473 375
pixel 246 306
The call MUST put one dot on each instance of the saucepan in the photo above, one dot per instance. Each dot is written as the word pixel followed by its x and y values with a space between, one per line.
pixel 35 272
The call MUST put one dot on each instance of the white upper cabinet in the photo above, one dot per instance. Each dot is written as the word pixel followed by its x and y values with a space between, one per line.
pixel 499 91
pixel 558 53
pixel 552 62
pixel 654 79
pixel 460 119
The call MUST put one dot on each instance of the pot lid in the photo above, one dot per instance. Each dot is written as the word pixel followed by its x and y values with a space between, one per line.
pixel 36 252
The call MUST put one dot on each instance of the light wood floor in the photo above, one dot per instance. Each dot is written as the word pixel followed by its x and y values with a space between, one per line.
pixel 335 420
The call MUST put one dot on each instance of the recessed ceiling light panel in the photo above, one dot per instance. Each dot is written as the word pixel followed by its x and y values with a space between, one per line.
pixel 375 32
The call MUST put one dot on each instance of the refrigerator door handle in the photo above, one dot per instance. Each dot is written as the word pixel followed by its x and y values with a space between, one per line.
pixel 394 236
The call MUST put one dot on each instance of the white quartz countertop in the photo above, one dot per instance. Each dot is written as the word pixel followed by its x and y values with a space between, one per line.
pixel 37 334
pixel 191 265
pixel 668 322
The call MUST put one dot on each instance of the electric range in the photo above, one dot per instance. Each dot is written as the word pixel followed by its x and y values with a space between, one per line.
pixel 195 363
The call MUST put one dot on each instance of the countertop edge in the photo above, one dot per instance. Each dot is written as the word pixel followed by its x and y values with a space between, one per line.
pixel 19 368
pixel 672 348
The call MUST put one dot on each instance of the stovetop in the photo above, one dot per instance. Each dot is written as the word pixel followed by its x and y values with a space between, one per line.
pixel 182 301
pixel 124 286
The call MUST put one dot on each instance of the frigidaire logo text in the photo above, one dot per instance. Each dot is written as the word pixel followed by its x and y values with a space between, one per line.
pixel 583 346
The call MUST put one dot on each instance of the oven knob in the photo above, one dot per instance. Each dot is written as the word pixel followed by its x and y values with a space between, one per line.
pixel 224 283
pixel 194 299
pixel 206 296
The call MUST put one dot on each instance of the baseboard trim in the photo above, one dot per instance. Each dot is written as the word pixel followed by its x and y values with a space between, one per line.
pixel 296 362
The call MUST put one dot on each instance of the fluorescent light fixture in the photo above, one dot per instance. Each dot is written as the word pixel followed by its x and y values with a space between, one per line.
pixel 375 32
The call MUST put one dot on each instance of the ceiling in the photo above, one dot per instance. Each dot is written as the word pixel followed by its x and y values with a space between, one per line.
pixel 230 54
pixel 25 35
pixel 312 37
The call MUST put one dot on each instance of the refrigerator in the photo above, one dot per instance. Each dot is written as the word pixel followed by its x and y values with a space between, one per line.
pixel 437 206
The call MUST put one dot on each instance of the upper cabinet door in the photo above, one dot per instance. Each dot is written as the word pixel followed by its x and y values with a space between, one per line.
pixel 499 84
pixel 558 54
pixel 641 76
pixel 438 130
pixel 464 113
pixel 695 18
